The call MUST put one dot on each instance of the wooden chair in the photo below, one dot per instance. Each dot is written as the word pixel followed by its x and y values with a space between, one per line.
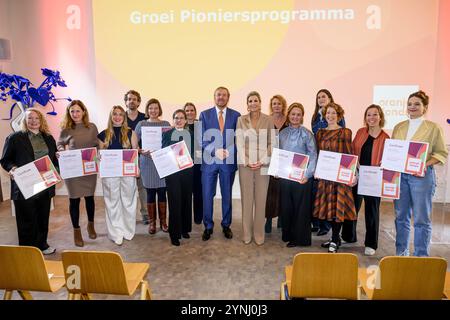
pixel 447 286
pixel 322 275
pixel 405 278
pixel 105 272
pixel 24 269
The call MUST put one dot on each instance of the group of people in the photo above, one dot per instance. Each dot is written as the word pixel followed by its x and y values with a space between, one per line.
pixel 221 142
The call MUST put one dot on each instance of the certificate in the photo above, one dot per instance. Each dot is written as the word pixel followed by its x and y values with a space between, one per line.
pixel 151 137
pixel 119 163
pixel 379 182
pixel 172 159
pixel 78 163
pixel 288 165
pixel 36 176
pixel 405 156
pixel 335 166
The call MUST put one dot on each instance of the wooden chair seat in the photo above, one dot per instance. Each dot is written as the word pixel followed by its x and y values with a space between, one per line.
pixel 321 275
pixel 405 278
pixel 105 272
pixel 24 269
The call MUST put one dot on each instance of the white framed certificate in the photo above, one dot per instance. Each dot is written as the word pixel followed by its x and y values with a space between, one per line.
pixel 288 165
pixel 151 137
pixel 36 176
pixel 78 163
pixel 405 156
pixel 119 163
pixel 172 159
pixel 335 166
pixel 378 182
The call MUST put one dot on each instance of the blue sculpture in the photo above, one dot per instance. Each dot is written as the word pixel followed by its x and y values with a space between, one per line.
pixel 22 91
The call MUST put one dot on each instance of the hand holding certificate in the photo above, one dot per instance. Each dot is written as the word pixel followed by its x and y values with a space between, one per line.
pixel 77 163
pixel 288 165
pixel 405 156
pixel 172 159
pixel 335 166
pixel 379 182
pixel 36 176
pixel 119 163
pixel 152 137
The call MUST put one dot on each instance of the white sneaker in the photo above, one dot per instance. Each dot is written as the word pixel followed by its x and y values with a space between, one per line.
pixel 119 241
pixel 369 251
pixel 49 250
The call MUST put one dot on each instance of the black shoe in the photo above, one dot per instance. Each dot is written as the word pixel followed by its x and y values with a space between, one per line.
pixel 322 233
pixel 333 248
pixel 198 222
pixel 175 242
pixel 227 232
pixel 186 235
pixel 327 244
pixel 268 225
pixel 314 229
pixel 291 244
pixel 207 234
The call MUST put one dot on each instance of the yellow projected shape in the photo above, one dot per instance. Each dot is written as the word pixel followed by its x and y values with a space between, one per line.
pixel 167 50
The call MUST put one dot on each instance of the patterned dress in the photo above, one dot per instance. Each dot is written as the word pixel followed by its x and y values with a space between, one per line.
pixel 334 201
pixel 149 175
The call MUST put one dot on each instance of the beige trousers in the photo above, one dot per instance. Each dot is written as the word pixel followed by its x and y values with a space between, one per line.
pixel 253 199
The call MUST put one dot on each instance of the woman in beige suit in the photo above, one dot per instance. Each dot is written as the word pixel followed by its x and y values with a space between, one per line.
pixel 254 146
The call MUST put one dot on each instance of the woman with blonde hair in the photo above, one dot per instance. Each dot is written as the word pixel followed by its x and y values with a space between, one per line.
pixel 119 193
pixel 278 107
pixel 78 133
pixel 34 141
pixel 254 148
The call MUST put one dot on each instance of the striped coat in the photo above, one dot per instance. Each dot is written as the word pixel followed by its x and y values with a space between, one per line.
pixel 334 201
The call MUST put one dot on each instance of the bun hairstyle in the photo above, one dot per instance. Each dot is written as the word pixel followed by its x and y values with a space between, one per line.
pixel 422 96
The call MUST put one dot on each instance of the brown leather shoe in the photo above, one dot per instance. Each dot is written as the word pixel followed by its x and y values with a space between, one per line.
pixel 162 210
pixel 91 230
pixel 151 208
pixel 77 237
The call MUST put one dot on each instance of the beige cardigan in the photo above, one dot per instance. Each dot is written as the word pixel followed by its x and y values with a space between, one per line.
pixel 427 132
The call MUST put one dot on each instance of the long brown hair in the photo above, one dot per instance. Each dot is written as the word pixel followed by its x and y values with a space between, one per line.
pixel 124 129
pixel 316 109
pixel 67 122
pixel 43 126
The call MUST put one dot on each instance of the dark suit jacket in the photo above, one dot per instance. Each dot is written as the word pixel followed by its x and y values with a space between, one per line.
pixel 213 140
pixel 18 151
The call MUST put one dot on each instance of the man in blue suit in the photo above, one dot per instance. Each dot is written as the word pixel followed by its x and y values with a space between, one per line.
pixel 219 159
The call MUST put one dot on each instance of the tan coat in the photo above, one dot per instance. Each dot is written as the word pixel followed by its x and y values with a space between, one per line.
pixel 255 144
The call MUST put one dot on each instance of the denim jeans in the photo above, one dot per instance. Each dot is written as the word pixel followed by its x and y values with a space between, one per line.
pixel 416 196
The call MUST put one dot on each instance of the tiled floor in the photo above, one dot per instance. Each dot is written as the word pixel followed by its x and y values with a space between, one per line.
pixel 216 269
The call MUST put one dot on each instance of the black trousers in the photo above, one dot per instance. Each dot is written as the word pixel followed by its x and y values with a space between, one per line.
pixel 323 225
pixel 74 209
pixel 179 192
pixel 198 196
pixel 296 208
pixel 372 217
pixel 32 216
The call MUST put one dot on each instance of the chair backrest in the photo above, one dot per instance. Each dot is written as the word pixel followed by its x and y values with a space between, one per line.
pixel 23 268
pixel 410 278
pixel 325 275
pixel 94 272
